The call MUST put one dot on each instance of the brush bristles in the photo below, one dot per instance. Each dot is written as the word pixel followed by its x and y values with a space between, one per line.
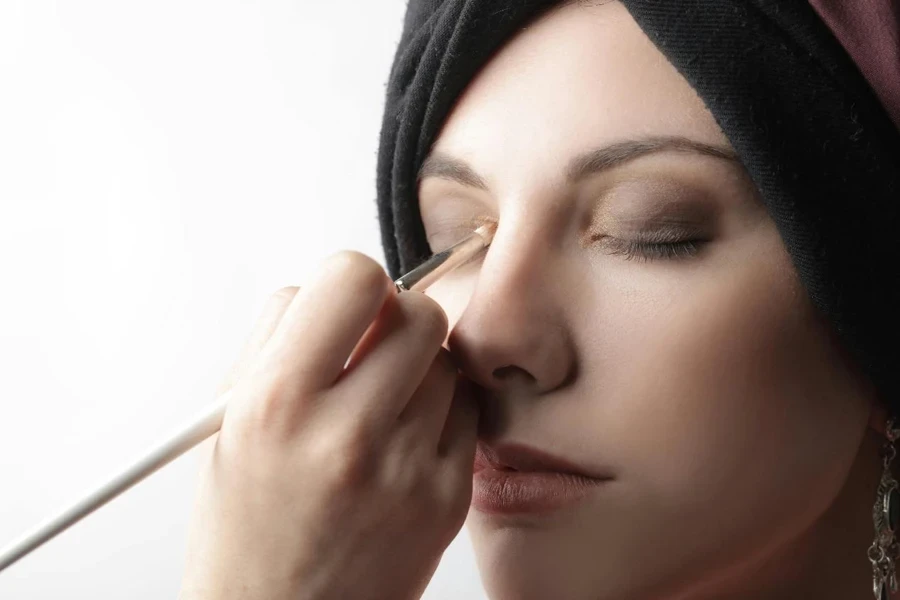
pixel 487 232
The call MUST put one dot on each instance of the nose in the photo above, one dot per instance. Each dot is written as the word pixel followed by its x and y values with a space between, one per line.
pixel 513 332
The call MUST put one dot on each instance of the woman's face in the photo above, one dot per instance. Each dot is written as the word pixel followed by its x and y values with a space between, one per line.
pixel 637 314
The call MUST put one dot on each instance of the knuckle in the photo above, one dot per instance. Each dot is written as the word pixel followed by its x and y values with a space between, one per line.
pixel 274 407
pixel 349 457
pixel 359 267
pixel 428 315
pixel 361 275
pixel 345 259
pixel 348 472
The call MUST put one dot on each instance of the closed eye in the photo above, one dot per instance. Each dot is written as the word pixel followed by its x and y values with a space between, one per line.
pixel 659 245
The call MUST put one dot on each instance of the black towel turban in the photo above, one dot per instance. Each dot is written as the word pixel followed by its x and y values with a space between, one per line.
pixel 811 130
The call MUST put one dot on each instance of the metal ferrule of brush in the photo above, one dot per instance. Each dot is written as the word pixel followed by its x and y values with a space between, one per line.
pixel 441 263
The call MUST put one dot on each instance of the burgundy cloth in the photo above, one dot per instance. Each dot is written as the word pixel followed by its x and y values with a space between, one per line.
pixel 869 30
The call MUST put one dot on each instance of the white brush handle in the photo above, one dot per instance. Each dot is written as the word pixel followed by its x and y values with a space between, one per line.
pixel 200 428
pixel 210 421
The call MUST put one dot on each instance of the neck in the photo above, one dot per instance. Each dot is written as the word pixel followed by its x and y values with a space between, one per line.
pixel 827 561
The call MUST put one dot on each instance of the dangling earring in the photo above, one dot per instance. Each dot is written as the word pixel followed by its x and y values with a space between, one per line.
pixel 886 516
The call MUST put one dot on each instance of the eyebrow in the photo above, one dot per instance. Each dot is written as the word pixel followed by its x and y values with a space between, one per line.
pixel 589 163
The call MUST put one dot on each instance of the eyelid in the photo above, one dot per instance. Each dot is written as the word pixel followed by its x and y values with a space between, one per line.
pixel 654 197
pixel 459 226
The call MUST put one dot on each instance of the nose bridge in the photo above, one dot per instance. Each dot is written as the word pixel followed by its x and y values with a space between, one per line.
pixel 515 260
pixel 534 218
pixel 513 331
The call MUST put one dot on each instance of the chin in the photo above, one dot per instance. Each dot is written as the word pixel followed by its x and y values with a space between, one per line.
pixel 525 559
pixel 572 555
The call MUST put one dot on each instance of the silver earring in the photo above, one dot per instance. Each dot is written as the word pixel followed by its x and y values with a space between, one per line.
pixel 886 517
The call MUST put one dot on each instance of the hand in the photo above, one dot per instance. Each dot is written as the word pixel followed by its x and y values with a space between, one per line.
pixel 332 482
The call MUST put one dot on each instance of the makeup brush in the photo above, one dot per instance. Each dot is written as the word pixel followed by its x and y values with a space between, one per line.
pixel 210 420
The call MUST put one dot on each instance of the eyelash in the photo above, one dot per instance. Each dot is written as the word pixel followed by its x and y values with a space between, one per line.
pixel 655 246
pixel 643 251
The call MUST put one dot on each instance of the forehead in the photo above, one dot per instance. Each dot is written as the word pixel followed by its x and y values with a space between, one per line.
pixel 578 78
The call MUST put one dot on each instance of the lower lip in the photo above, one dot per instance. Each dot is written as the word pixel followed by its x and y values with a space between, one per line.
pixel 499 491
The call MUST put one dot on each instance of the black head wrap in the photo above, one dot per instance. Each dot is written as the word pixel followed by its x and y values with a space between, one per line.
pixel 811 132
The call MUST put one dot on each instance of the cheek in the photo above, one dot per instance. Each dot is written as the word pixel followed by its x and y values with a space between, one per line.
pixel 741 398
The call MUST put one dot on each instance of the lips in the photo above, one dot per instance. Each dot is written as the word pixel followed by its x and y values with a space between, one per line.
pixel 513 479
pixel 518 457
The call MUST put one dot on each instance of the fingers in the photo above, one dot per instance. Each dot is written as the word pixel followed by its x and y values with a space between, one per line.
pixel 271 315
pixel 456 451
pixel 326 319
pixel 426 413
pixel 460 434
pixel 397 354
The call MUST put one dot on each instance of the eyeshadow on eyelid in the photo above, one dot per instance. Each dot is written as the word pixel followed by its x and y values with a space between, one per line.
pixel 668 211
pixel 635 207
pixel 656 199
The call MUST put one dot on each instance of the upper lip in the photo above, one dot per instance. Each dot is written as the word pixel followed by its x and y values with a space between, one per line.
pixel 519 457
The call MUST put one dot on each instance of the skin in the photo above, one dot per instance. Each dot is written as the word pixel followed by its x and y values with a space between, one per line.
pixel 328 482
pixel 742 440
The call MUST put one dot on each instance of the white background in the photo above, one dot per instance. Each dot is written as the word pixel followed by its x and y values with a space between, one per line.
pixel 164 167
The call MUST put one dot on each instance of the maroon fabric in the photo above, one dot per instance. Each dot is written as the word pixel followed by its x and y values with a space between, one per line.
pixel 869 30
